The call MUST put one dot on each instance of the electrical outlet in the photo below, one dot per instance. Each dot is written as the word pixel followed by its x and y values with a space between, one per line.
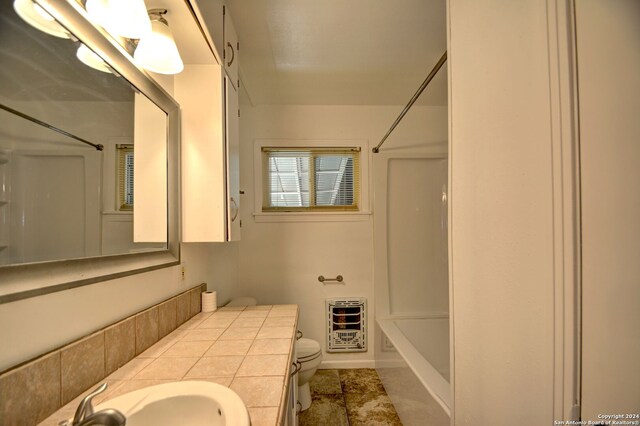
pixel 183 272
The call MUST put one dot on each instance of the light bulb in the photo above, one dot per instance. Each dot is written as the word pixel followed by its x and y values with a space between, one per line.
pixel 34 15
pixel 91 59
pixel 124 18
pixel 157 51
pixel 43 13
pixel 97 11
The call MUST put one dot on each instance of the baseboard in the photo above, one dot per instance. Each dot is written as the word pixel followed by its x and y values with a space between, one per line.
pixel 330 365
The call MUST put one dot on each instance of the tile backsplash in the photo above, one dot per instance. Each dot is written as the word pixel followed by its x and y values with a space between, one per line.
pixel 119 344
pixel 31 392
pixel 81 365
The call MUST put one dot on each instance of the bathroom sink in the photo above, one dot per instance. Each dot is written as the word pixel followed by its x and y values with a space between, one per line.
pixel 189 403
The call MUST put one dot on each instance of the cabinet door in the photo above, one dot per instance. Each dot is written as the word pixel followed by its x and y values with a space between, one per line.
pixel 211 14
pixel 231 47
pixel 233 161
pixel 200 91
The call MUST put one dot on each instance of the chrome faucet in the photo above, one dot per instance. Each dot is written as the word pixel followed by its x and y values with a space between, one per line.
pixel 85 416
pixel 107 417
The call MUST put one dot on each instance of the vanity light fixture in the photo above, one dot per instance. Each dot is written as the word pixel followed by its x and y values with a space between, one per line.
pixel 33 14
pixel 91 59
pixel 124 18
pixel 157 51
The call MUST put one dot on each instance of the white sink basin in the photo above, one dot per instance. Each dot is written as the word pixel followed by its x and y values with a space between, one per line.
pixel 190 403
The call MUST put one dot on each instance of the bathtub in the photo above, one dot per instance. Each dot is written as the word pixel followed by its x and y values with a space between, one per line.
pixel 411 284
pixel 423 344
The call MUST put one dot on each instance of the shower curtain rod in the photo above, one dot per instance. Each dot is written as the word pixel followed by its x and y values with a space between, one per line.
pixel 415 97
pixel 99 147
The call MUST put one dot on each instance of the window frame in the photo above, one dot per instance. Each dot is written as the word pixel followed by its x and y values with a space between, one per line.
pixel 312 153
pixel 318 213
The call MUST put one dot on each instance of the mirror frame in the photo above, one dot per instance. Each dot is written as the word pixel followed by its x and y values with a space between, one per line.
pixel 27 280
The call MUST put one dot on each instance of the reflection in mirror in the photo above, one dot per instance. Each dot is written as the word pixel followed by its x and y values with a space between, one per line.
pixel 150 168
pixel 66 118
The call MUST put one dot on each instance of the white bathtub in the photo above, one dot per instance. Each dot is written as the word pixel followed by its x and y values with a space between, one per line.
pixel 423 343
pixel 412 285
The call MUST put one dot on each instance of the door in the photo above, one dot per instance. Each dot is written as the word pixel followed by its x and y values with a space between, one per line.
pixel 233 160
pixel 231 47
pixel 211 13
pixel 608 52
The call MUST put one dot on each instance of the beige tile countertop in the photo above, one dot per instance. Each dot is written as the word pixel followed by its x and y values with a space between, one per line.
pixel 249 349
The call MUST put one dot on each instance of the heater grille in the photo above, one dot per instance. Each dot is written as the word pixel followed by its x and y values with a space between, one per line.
pixel 346 325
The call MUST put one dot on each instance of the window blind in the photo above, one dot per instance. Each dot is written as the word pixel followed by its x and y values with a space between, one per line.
pixel 128 182
pixel 125 176
pixel 311 179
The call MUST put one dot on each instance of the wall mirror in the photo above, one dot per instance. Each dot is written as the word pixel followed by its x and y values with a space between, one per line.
pixel 88 155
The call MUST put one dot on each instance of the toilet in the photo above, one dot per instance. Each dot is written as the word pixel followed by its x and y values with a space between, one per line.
pixel 308 354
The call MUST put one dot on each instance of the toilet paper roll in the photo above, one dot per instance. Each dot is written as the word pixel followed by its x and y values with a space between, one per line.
pixel 209 301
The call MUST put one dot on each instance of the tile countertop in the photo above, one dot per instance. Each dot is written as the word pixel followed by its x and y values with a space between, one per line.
pixel 249 349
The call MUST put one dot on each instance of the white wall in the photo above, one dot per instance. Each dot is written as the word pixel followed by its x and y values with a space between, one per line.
pixel 280 262
pixel 33 326
pixel 502 242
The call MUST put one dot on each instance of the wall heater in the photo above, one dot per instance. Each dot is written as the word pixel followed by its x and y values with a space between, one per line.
pixel 346 324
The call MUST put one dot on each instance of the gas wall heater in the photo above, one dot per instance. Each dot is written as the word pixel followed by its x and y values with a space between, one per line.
pixel 346 324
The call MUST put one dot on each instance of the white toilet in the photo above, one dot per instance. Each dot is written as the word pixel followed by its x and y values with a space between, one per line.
pixel 309 355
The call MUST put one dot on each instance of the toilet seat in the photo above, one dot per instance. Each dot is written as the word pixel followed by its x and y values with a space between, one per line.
pixel 309 358
pixel 307 350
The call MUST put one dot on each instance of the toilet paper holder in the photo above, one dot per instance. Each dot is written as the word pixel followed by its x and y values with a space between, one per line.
pixel 338 279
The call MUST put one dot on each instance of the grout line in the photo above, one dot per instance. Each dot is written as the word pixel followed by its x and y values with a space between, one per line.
pixel 104 353
pixel 344 400
pixel 60 404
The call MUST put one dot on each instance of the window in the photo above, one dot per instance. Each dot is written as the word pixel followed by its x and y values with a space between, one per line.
pixel 310 179
pixel 125 177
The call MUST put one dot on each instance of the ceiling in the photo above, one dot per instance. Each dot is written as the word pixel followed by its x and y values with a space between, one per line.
pixel 340 52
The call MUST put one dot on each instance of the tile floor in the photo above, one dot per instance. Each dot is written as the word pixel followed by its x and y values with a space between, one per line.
pixel 353 397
